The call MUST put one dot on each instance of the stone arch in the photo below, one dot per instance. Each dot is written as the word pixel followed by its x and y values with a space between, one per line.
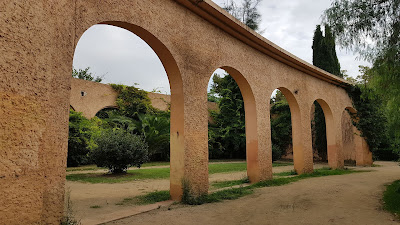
pixel 105 108
pixel 177 102
pixel 298 154
pixel 253 167
pixel 333 154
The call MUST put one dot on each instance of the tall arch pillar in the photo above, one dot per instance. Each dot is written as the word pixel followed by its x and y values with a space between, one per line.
pixel 303 158
pixel 189 162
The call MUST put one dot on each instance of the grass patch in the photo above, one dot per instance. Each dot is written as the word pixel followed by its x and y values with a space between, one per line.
pixel 226 167
pixel 95 207
pixel 376 165
pixel 277 164
pixel 285 174
pixel 131 175
pixel 230 183
pixel 149 198
pixel 151 173
pixel 391 198
pixel 149 164
pixel 240 167
pixel 235 193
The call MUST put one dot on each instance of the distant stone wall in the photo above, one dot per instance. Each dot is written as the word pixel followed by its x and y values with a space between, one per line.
pixel 90 97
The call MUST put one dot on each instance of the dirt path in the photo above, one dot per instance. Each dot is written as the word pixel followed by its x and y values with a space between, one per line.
pixel 346 199
pixel 85 196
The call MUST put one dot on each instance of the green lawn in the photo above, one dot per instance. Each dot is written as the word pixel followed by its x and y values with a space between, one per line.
pixel 235 193
pixel 150 164
pixel 391 198
pixel 153 173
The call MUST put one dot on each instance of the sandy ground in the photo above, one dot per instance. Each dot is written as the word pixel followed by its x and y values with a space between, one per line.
pixel 85 195
pixel 346 199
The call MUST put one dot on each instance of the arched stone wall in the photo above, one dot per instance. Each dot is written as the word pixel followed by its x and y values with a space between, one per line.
pixel 37 50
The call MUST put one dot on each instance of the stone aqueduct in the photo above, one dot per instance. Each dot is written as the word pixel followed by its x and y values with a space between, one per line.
pixel 192 38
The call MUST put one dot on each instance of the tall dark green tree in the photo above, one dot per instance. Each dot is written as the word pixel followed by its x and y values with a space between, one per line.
pixel 227 135
pixel 324 52
pixel 324 57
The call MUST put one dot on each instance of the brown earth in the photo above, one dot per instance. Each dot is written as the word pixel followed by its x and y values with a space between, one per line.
pixel 84 196
pixel 346 199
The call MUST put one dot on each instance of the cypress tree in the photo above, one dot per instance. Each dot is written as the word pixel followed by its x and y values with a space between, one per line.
pixel 324 57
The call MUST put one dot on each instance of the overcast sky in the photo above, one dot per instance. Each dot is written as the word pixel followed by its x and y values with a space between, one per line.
pixel 122 57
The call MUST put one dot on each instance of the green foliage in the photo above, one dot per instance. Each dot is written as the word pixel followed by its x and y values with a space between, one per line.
pixel 324 52
pixel 118 149
pixel 132 101
pixel 227 138
pixel 281 126
pixel 79 139
pixel 318 127
pixel 370 118
pixel 156 132
pixel 85 75
pixel 372 28
pixel 391 198
pixel 369 27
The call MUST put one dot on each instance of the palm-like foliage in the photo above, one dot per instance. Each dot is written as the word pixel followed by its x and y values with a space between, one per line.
pixel 156 132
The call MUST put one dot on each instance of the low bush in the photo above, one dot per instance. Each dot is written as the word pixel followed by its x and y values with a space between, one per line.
pixel 117 150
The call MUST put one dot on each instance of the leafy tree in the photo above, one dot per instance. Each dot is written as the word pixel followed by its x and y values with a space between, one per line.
pixel 372 28
pixel 318 128
pixel 246 12
pixel 85 75
pixel 156 132
pixel 117 150
pixel 228 133
pixel 324 52
pixel 79 139
pixel 281 126
pixel 132 101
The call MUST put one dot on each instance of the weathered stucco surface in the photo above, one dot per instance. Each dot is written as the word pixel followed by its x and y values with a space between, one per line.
pixel 90 97
pixel 192 38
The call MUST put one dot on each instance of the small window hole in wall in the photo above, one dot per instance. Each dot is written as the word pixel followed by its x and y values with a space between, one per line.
pixel 83 93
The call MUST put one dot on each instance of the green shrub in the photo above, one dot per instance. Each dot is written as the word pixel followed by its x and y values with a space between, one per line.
pixel 79 139
pixel 117 150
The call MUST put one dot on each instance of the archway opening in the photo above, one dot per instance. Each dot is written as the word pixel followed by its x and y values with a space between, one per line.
pixel 135 59
pixel 281 127
pixel 318 129
pixel 286 130
pixel 232 128
pixel 323 135
pixel 106 111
